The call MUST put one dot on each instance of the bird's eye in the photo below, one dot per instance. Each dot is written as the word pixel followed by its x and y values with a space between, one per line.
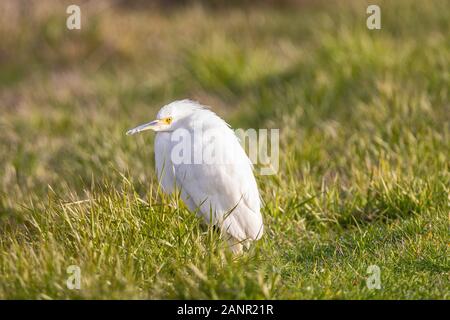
pixel 168 120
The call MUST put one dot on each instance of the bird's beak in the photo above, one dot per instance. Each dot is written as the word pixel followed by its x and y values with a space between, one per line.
pixel 154 125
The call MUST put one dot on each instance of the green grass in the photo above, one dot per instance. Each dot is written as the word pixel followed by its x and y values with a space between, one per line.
pixel 365 141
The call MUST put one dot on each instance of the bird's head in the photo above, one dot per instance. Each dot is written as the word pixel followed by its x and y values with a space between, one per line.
pixel 170 117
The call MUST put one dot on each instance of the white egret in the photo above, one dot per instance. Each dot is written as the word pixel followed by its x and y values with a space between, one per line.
pixel 223 191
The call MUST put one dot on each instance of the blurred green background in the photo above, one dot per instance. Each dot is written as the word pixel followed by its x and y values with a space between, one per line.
pixel 364 123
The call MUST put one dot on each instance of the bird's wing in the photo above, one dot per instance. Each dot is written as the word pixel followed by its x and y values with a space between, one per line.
pixel 225 192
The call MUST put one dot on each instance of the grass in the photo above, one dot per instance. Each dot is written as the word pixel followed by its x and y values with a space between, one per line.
pixel 364 171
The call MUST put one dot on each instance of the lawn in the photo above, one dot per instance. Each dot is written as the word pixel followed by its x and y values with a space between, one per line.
pixel 364 119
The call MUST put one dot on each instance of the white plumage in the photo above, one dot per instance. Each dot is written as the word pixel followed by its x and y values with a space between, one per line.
pixel 197 153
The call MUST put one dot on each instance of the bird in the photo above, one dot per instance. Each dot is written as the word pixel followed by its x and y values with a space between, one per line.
pixel 199 155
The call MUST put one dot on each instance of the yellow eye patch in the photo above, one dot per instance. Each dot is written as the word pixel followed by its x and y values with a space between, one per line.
pixel 168 120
